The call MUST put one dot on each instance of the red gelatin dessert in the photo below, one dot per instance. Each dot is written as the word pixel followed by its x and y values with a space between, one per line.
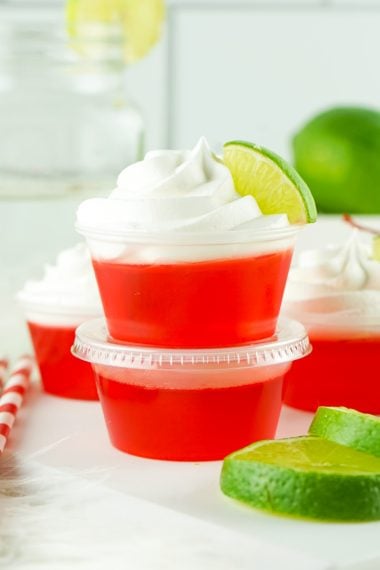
pixel 61 373
pixel 189 405
pixel 214 303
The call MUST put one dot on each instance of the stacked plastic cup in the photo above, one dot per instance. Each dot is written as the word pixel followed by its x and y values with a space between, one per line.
pixel 190 359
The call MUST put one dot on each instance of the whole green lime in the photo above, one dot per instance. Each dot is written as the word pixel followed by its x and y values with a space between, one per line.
pixel 337 153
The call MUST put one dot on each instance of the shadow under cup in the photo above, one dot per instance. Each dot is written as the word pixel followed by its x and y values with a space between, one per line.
pixel 190 290
pixel 189 405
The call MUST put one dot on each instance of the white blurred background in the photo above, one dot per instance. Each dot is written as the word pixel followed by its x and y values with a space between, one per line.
pixel 256 69
pixel 253 69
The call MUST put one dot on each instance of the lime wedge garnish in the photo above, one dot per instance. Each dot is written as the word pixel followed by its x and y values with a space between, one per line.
pixel 348 427
pixel 137 23
pixel 305 477
pixel 276 186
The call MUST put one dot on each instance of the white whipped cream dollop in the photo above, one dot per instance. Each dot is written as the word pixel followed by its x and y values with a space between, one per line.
pixel 174 192
pixel 338 283
pixel 67 288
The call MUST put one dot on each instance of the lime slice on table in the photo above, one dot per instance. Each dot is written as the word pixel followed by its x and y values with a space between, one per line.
pixel 275 185
pixel 137 22
pixel 348 427
pixel 305 477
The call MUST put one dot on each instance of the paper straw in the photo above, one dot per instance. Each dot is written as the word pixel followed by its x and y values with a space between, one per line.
pixel 3 372
pixel 12 396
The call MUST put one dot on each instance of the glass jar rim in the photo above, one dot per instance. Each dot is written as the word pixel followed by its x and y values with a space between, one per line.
pixel 23 12
pixel 41 32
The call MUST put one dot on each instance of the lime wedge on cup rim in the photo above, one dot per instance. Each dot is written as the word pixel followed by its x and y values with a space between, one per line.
pixel 348 427
pixel 307 477
pixel 137 22
pixel 275 184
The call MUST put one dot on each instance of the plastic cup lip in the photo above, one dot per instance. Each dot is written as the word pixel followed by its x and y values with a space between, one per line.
pixel 342 310
pixel 339 320
pixel 93 344
pixel 173 238
pixel 38 306
pixel 352 322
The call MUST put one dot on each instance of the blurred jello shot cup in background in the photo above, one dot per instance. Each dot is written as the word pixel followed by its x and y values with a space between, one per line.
pixel 335 293
pixel 182 259
pixel 54 306
pixel 189 405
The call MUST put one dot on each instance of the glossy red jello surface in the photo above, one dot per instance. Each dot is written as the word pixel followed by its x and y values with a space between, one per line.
pixel 214 303
pixel 154 419
pixel 61 373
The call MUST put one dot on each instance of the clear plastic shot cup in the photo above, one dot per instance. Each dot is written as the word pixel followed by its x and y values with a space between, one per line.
pixel 191 290
pixel 52 331
pixel 189 405
pixel 343 367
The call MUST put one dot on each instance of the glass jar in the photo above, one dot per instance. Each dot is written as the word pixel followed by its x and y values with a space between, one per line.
pixel 65 123
pixel 67 130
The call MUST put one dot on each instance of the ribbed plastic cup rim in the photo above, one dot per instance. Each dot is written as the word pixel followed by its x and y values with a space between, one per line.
pixel 117 235
pixel 93 344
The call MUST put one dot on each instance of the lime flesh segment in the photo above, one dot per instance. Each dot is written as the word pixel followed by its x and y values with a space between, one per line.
pixel 305 477
pixel 275 185
pixel 348 427
pixel 138 22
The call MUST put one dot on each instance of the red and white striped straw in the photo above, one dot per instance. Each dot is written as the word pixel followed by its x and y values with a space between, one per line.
pixel 12 396
pixel 3 372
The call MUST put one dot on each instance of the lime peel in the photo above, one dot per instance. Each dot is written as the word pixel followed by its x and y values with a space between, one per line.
pixel 275 184
pixel 307 477
pixel 348 427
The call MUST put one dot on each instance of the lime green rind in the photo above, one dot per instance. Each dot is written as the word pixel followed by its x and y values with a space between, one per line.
pixel 288 480
pixel 301 189
pixel 336 153
pixel 348 427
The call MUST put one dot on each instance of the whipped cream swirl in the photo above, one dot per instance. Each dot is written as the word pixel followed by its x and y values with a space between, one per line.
pixel 67 288
pixel 176 191
pixel 340 283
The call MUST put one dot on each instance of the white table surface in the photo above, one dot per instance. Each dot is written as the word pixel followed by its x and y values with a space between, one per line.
pixel 71 435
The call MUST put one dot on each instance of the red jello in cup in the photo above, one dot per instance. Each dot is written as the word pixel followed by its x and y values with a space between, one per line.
pixel 61 374
pixel 342 369
pixel 189 405
pixel 191 290
pixel 54 307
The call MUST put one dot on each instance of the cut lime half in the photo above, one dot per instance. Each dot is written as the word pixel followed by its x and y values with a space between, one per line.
pixel 137 24
pixel 275 185
pixel 348 427
pixel 305 477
